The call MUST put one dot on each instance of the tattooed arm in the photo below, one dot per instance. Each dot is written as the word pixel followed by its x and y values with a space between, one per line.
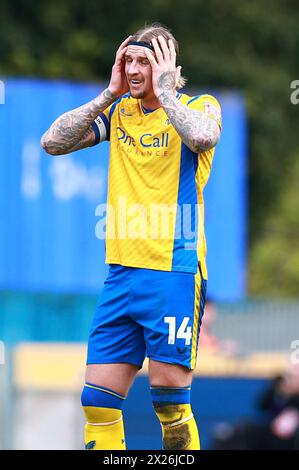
pixel 72 131
pixel 197 130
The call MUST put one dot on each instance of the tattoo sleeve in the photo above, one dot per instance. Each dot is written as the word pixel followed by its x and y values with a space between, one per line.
pixel 197 130
pixel 72 131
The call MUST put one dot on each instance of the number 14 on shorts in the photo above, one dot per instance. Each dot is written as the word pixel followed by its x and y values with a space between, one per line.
pixel 182 332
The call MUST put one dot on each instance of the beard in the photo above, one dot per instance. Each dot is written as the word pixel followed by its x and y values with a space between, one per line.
pixel 138 94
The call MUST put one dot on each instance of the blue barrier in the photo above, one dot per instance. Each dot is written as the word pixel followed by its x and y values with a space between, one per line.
pixel 47 204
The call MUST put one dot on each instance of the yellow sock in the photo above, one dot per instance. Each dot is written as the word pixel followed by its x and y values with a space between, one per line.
pixel 179 429
pixel 104 429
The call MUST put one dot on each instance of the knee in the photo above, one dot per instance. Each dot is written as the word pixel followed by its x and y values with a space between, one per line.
pixel 170 375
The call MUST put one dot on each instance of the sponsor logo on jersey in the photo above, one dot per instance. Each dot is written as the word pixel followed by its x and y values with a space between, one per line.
pixel 213 110
pixel 146 140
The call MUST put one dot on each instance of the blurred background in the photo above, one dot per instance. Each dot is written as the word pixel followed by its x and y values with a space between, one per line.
pixel 56 55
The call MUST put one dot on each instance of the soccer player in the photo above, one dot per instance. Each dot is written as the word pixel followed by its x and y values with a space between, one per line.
pixel 161 149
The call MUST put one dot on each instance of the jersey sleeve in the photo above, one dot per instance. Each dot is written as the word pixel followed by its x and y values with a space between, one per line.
pixel 207 104
pixel 101 126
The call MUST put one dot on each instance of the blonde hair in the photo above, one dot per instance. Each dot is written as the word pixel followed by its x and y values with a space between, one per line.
pixel 148 32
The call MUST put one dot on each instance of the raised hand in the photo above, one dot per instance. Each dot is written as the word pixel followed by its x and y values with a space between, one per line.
pixel 118 83
pixel 165 74
pixel 196 128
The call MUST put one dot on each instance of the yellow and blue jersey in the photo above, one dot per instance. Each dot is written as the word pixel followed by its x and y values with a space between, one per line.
pixel 155 210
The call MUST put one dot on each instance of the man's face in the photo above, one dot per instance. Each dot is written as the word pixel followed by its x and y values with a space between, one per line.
pixel 138 72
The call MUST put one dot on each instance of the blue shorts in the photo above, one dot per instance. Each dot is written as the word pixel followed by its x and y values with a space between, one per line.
pixel 145 312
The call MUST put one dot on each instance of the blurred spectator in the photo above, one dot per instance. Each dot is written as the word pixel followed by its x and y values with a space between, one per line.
pixel 208 341
pixel 279 428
